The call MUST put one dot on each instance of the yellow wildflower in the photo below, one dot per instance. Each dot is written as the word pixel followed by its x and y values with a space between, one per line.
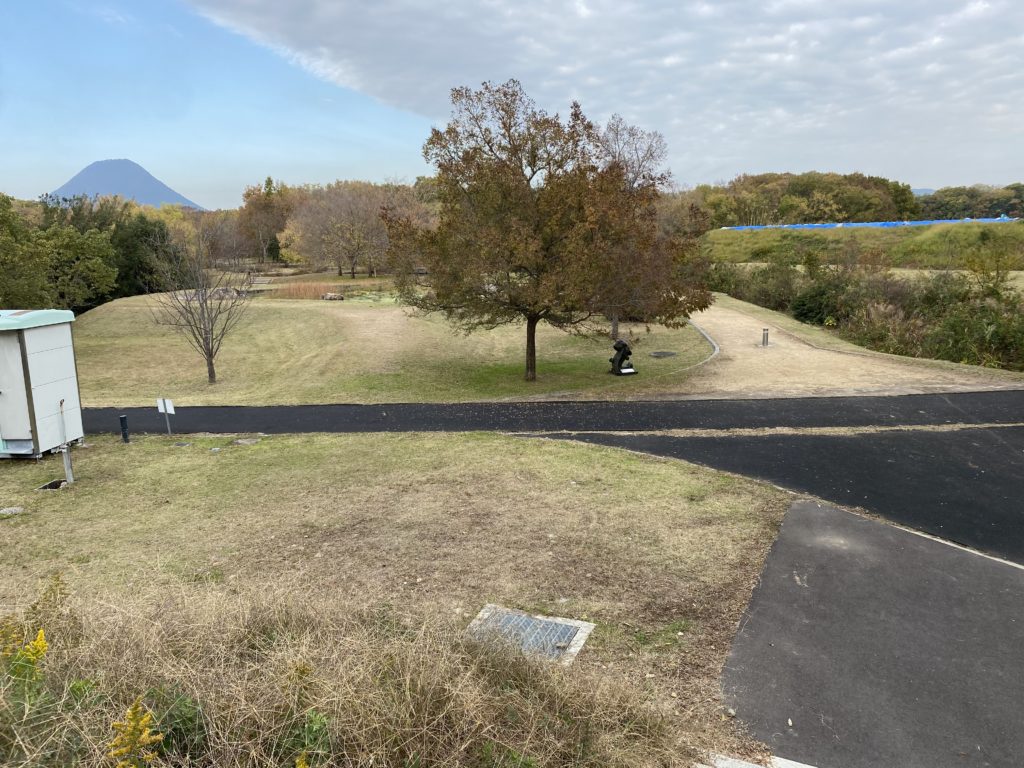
pixel 134 735
pixel 300 761
pixel 34 651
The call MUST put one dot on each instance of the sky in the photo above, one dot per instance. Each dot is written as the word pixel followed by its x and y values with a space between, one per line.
pixel 213 95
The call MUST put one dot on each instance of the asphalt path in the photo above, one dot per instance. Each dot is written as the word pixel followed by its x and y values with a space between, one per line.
pixel 866 645
pixel 999 407
pixel 962 485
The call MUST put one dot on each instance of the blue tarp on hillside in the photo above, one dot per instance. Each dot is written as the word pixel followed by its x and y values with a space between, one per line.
pixel 850 225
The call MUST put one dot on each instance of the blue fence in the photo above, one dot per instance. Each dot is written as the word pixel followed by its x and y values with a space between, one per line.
pixel 854 224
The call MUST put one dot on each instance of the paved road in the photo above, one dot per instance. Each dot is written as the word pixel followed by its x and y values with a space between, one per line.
pixel 963 485
pixel 882 648
pixel 970 408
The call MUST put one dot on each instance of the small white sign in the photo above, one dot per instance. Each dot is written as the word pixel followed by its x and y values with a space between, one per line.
pixel 164 405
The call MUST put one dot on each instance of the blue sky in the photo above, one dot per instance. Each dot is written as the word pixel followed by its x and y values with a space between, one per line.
pixel 211 95
pixel 204 110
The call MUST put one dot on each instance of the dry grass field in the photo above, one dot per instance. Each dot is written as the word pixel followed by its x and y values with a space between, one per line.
pixel 167 546
pixel 367 349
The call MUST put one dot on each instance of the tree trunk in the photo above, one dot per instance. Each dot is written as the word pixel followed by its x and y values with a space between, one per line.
pixel 531 348
pixel 211 373
pixel 615 326
pixel 352 271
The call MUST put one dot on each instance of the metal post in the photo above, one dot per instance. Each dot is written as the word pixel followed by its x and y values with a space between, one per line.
pixel 167 418
pixel 764 338
pixel 124 429
pixel 64 449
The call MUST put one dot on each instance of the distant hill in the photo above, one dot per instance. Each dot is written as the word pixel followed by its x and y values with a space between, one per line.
pixel 125 178
pixel 922 192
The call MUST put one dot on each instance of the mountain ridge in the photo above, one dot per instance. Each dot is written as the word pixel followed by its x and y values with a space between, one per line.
pixel 125 178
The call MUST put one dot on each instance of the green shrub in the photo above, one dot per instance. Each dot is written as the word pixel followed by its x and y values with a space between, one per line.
pixel 823 302
pixel 969 318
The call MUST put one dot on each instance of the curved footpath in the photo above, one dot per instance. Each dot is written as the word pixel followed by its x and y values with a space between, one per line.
pixel 996 407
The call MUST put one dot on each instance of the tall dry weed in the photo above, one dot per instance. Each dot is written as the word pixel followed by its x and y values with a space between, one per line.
pixel 280 679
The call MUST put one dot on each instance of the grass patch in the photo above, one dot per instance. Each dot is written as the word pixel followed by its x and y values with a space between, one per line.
pixel 938 246
pixel 1015 278
pixel 425 527
pixel 315 289
pixel 365 349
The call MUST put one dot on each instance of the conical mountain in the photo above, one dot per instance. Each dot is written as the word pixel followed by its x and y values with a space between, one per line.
pixel 125 178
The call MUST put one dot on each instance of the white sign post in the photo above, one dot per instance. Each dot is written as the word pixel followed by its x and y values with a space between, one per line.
pixel 166 407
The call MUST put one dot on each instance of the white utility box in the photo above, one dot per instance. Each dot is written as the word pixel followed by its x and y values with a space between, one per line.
pixel 39 404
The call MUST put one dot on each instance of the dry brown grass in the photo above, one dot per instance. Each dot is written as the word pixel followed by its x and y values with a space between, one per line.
pixel 804 360
pixel 304 290
pixel 258 679
pixel 366 349
pixel 316 289
pixel 661 555
pixel 820 431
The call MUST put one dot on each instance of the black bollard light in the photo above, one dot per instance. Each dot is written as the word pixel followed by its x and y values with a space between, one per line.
pixel 124 428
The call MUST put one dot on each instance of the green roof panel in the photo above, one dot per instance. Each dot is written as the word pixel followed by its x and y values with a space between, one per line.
pixel 17 319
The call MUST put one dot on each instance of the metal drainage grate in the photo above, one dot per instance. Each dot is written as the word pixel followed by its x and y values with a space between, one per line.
pixel 549 637
pixel 663 354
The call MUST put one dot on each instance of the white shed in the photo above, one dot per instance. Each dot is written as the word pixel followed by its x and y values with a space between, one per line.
pixel 39 403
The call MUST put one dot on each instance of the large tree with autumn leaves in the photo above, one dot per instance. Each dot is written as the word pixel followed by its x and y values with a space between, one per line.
pixel 539 222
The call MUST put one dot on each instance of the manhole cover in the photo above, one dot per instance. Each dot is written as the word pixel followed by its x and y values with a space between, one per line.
pixel 549 637
pixel 664 354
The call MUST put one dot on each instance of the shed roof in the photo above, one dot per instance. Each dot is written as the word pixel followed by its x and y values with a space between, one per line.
pixel 17 319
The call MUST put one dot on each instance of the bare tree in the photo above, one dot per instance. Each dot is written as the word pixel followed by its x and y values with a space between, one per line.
pixel 204 303
pixel 340 224
pixel 640 153
pixel 638 268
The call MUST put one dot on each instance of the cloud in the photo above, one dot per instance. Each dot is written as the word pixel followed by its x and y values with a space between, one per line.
pixel 735 85
pixel 109 15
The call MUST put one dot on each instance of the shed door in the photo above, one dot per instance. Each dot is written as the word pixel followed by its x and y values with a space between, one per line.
pixel 15 423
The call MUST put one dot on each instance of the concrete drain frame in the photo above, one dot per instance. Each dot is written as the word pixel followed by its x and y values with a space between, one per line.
pixel 548 637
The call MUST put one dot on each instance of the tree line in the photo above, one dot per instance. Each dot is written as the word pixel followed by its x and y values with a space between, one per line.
pixel 76 253
pixel 79 252
pixel 810 198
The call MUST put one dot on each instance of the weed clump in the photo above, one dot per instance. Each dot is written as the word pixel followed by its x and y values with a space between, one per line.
pixel 974 317
pixel 283 681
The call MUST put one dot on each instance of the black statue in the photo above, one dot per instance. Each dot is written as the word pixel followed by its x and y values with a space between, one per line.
pixel 620 363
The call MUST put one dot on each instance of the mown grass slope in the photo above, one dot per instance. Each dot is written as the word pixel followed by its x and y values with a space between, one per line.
pixel 363 350
pixel 943 246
